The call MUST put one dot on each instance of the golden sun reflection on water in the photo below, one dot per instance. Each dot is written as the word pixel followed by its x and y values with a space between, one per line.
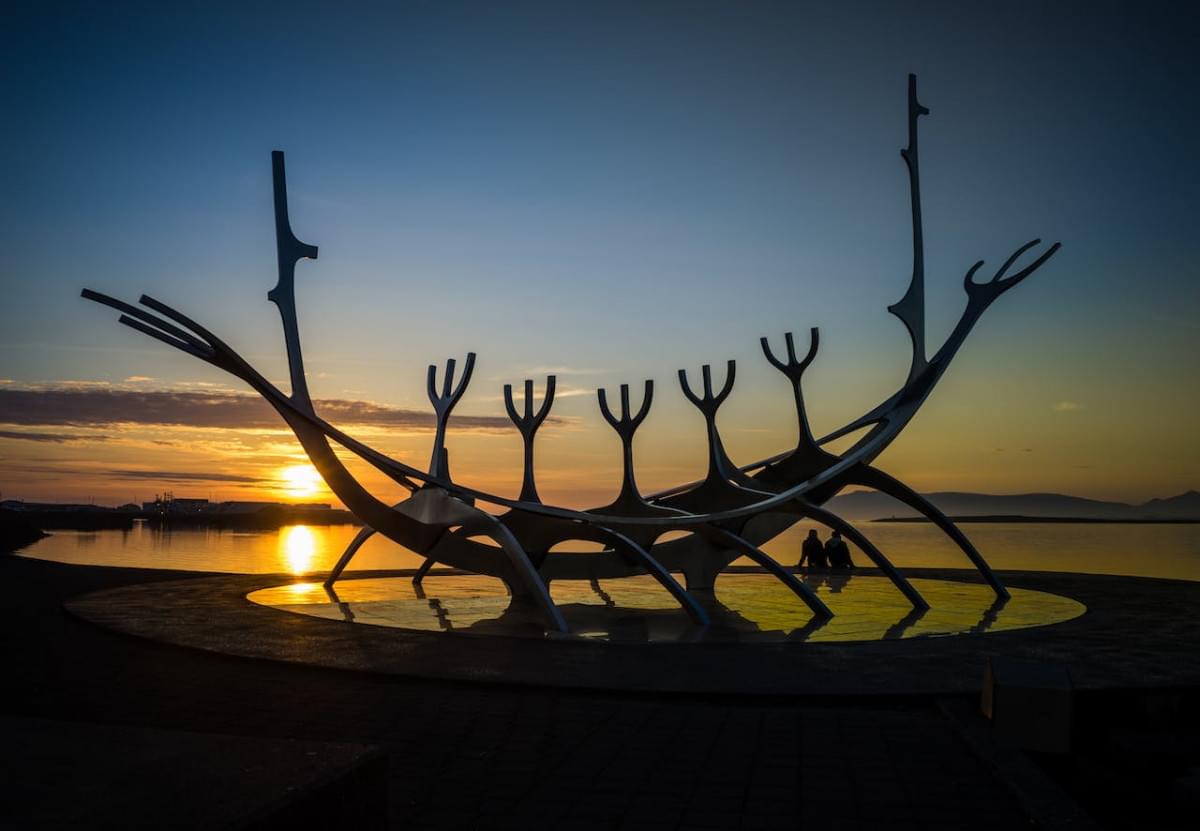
pixel 1169 551
pixel 297 545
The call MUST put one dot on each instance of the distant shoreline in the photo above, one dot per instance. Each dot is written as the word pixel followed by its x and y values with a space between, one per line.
pixel 1014 519
pixel 267 519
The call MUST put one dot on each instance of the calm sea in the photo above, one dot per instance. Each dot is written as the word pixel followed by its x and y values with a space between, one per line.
pixel 1145 550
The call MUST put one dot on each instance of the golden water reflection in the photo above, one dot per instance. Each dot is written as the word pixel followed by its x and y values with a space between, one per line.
pixel 1171 551
pixel 297 546
pixel 746 607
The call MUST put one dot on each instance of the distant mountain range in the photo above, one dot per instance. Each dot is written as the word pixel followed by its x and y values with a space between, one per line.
pixel 873 505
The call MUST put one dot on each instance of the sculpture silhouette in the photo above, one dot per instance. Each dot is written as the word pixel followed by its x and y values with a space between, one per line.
pixel 728 514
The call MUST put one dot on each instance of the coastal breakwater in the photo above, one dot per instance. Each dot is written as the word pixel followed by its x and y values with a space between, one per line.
pixel 16 523
pixel 16 532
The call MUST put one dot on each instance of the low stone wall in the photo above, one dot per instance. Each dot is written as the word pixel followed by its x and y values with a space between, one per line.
pixel 16 532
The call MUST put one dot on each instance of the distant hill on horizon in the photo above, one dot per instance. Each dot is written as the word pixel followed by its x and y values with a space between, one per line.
pixel 873 505
pixel 855 505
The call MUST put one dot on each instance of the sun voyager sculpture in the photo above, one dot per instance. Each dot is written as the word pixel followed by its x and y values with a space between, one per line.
pixel 729 514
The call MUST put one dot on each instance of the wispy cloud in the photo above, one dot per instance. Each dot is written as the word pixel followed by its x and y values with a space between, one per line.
pixel 560 391
pixel 55 438
pixel 183 476
pixel 1066 406
pixel 77 472
pixel 562 370
pixel 91 404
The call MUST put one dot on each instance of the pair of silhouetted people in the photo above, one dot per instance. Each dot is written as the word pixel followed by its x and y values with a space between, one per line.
pixel 832 554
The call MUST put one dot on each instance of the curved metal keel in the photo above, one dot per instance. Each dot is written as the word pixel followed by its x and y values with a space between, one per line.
pixel 534 585
pixel 858 538
pixel 747 549
pixel 656 570
pixel 872 477
pixel 361 537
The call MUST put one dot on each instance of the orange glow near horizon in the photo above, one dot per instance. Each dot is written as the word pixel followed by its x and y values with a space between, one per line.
pixel 976 438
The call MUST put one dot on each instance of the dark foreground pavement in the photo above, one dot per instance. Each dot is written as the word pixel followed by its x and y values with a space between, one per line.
pixel 475 756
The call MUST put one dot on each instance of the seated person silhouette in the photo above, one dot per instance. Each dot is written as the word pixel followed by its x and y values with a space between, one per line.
pixel 812 552
pixel 838 552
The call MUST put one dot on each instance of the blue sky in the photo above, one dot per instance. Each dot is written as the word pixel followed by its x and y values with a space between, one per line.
pixel 620 190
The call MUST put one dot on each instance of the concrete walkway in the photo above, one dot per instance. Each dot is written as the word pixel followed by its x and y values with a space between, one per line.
pixel 478 756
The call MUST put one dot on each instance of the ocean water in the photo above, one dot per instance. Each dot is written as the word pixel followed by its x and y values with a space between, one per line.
pixel 1171 551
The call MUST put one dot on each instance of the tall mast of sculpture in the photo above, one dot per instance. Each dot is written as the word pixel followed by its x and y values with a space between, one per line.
pixel 911 307
pixel 290 251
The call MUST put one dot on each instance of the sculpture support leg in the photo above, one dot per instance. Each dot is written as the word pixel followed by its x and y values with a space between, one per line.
pixel 656 570
pixel 874 478
pixel 700 571
pixel 419 577
pixel 858 538
pixel 747 549
pixel 534 586
pixel 361 537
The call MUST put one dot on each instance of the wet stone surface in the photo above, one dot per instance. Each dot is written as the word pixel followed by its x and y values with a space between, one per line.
pixel 1105 647
pixel 745 608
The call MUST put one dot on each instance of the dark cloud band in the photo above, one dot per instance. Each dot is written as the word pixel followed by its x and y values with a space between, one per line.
pixel 52 438
pixel 182 476
pixel 89 407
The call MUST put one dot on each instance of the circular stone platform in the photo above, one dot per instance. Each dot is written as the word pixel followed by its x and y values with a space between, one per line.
pixel 1136 632
pixel 745 608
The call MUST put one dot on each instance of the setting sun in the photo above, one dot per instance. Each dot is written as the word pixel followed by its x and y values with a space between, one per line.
pixel 301 480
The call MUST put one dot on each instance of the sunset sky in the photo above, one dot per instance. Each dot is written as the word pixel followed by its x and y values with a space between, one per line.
pixel 610 192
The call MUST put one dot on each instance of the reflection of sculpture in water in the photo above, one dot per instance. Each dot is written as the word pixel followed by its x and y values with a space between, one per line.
pixel 990 615
pixel 897 630
pixel 834 580
pixel 343 607
pixel 750 614
pixel 731 513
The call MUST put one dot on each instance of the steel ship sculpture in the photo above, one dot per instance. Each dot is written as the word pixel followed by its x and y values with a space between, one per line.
pixel 729 514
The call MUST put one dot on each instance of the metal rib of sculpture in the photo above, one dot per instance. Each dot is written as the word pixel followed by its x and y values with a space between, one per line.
pixel 731 513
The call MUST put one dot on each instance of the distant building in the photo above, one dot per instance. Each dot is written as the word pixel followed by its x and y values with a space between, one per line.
pixel 168 503
pixel 56 507
pixel 252 507
pixel 240 507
